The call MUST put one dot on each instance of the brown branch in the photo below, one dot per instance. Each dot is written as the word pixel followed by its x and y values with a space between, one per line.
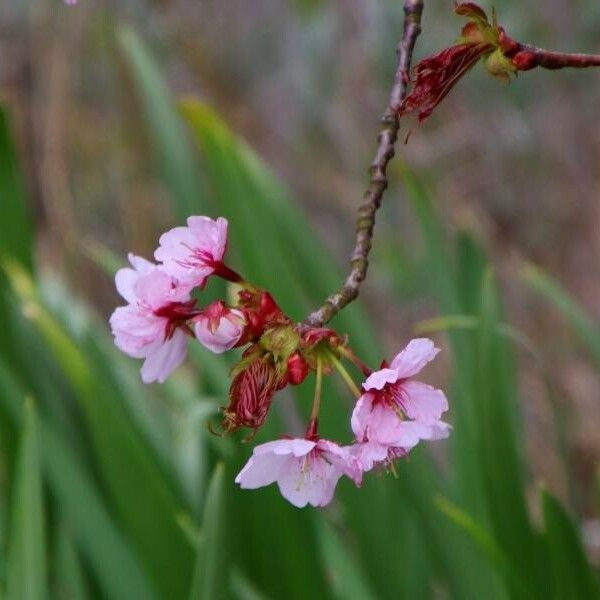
pixel 365 221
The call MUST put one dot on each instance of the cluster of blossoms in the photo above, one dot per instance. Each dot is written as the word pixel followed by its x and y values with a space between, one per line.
pixel 393 412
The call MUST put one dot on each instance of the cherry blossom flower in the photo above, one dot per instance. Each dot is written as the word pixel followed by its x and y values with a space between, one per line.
pixel 306 471
pixel 149 326
pixel 219 327
pixel 191 254
pixel 396 412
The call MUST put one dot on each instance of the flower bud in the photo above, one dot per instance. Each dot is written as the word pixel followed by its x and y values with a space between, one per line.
pixel 297 369
pixel 219 327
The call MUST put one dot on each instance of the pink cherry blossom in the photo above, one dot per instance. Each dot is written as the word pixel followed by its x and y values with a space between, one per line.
pixel 148 326
pixel 191 254
pixel 306 471
pixel 219 327
pixel 396 412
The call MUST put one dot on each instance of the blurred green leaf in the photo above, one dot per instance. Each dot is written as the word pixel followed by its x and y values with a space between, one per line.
pixel 484 540
pixel 345 574
pixel 585 327
pixel 27 570
pixel 569 569
pixel 467 477
pixel 118 572
pixel 497 445
pixel 212 557
pixel 173 154
pixel 141 491
pixel 242 588
pixel 70 578
pixel 109 555
pixel 16 238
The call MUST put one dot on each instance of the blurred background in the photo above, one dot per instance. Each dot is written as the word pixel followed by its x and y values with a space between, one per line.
pixel 489 241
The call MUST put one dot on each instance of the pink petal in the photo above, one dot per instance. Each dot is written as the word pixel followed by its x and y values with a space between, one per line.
pixel 175 245
pixel 423 402
pixel 369 454
pixel 361 414
pixel 140 264
pixel 374 421
pixel 298 447
pixel 157 289
pixel 411 432
pixel 261 470
pixel 136 331
pixel 378 379
pixel 165 359
pixel 309 480
pixel 181 249
pixel 414 357
pixel 126 278
pixel 439 430
pixel 212 235
pixel 228 331
pixel 342 458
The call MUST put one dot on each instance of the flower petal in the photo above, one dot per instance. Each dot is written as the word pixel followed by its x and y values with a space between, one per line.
pixel 165 358
pixel 361 414
pixel 261 470
pixel 309 480
pixel 378 379
pixel 229 329
pixel 414 357
pixel 423 402
pixel 296 446
pixel 369 454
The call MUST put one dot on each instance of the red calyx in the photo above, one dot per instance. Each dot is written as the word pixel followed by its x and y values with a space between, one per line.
pixel 297 369
pixel 313 336
pixel 261 312
pixel 178 314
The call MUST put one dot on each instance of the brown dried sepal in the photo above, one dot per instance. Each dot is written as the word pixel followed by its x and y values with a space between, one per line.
pixel 435 76
pixel 251 394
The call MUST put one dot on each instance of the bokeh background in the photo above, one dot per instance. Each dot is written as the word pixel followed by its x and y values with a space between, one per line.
pixel 502 179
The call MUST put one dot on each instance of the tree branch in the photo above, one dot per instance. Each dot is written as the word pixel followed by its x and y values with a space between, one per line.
pixel 365 221
pixel 529 57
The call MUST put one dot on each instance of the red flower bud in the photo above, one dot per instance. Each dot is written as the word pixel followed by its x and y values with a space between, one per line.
pixel 297 369
pixel 525 60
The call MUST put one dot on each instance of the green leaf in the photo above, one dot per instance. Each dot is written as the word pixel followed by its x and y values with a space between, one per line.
pixel 497 443
pixel 242 588
pixel 27 570
pixel 140 489
pixel 69 575
pixel 110 557
pixel 585 327
pixel 173 154
pixel 345 573
pixel 212 558
pixel 569 569
pixel 484 540
pixel 16 239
